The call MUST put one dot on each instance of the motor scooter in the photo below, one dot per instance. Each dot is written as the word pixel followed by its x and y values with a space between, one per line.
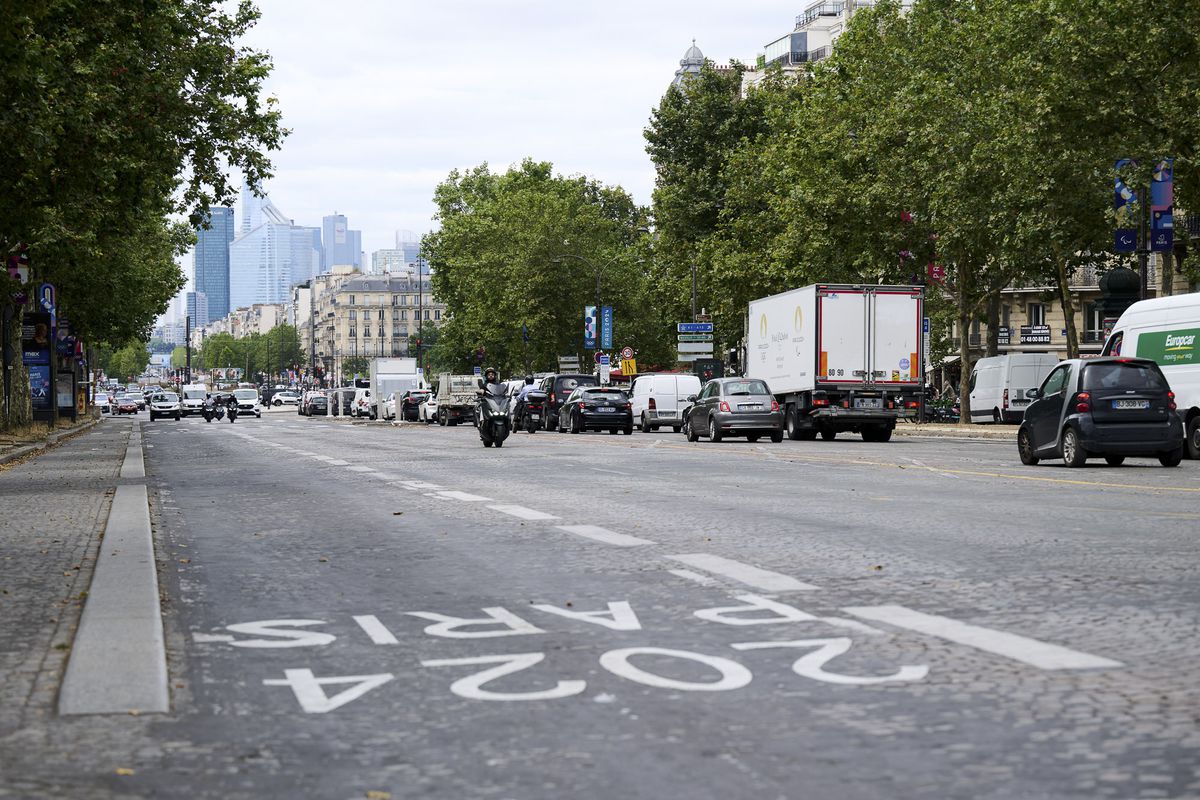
pixel 528 413
pixel 492 414
pixel 211 410
pixel 233 412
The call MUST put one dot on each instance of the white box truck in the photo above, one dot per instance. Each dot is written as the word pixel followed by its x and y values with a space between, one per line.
pixel 1167 330
pixel 389 375
pixel 840 357
pixel 1000 385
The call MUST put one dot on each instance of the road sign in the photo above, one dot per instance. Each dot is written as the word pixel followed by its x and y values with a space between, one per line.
pixel 694 327
pixel 605 361
pixel 695 347
pixel 626 353
pixel 695 337
pixel 568 363
pixel 926 337
pixel 628 366
pixel 689 357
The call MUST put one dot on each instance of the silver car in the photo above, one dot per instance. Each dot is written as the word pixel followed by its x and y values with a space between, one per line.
pixel 734 407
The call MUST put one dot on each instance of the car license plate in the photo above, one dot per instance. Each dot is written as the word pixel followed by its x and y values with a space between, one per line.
pixel 535 416
pixel 1131 403
pixel 606 410
pixel 749 406
pixel 868 402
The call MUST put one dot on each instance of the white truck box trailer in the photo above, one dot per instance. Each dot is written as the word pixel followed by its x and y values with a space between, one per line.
pixel 391 375
pixel 840 357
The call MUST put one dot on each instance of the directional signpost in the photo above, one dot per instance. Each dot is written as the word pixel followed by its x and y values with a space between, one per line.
pixel 695 341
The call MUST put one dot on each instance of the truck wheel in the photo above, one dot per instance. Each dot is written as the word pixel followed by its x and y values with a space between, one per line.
pixel 1193 437
pixel 828 434
pixel 442 418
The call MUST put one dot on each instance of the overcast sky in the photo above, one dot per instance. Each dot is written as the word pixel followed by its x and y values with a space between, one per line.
pixel 384 97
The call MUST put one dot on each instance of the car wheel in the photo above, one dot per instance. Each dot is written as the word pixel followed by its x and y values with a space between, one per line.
pixel 828 434
pixel 752 438
pixel 1072 452
pixel 1193 437
pixel 612 431
pixel 776 436
pixel 1172 458
pixel 689 431
pixel 645 423
pixel 1114 461
pixel 628 431
pixel 675 428
pixel 177 418
pixel 1025 448
pixel 996 418
pixel 714 433
pixel 152 417
pixel 576 425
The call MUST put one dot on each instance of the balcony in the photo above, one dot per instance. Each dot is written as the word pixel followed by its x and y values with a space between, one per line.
pixel 818 54
pixel 1091 337
pixel 813 13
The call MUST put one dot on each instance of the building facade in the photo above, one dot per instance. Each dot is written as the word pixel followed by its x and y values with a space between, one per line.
pixel 340 244
pixel 197 308
pixel 210 266
pixel 270 255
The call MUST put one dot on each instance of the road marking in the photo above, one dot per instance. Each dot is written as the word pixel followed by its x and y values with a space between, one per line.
pixel 466 497
pixel 687 574
pixel 358 468
pixel 375 629
pixel 383 476
pixel 204 638
pixel 1019 648
pixel 337 462
pixel 610 471
pixel 604 535
pixel 417 486
pixel 743 573
pixel 522 512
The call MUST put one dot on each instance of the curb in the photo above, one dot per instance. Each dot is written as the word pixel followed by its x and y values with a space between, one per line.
pixel 118 661
pixel 50 440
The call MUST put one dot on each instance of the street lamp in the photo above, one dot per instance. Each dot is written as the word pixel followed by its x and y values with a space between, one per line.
pixel 599 270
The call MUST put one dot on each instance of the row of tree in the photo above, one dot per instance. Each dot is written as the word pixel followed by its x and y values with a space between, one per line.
pixel 120 117
pixel 977 136
pixel 270 353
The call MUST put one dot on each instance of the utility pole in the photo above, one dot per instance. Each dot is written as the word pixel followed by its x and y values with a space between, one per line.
pixel 693 292
pixel 1143 251
pixel 187 346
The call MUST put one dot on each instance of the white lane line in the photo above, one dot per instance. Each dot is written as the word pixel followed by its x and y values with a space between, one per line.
pixel 337 462
pixel 687 574
pixel 1019 648
pixel 358 468
pixel 759 578
pixel 604 535
pixel 383 476
pixel 521 512
pixel 202 638
pixel 417 486
pixel 305 453
pixel 323 458
pixel 610 471
pixel 466 497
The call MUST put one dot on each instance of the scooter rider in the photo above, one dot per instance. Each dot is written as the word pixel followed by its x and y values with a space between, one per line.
pixel 519 411
pixel 490 377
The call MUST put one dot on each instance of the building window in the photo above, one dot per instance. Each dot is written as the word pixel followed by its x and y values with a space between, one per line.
pixel 381 315
pixel 404 314
pixel 1037 314
pixel 1005 314
pixel 427 313
pixel 351 299
pixel 366 331
pixel 395 331
pixel 437 313
pixel 395 299
pixel 353 333
pixel 1093 324
pixel 353 314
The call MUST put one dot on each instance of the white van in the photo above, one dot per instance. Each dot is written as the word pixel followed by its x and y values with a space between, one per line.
pixel 660 400
pixel 1167 330
pixel 194 395
pixel 999 385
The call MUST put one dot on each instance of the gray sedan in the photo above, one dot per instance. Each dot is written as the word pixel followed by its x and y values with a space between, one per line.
pixel 734 407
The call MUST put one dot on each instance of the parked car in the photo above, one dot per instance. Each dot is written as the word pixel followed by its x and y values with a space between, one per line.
pixel 104 402
pixel 427 411
pixel 408 407
pixel 387 411
pixel 1102 407
pixel 317 405
pixel 361 405
pixel 247 400
pixel 285 398
pixel 735 407
pixel 1000 385
pixel 165 404
pixel 1167 331
pixel 127 404
pixel 596 408
pixel 661 399
pixel 342 400
pixel 557 388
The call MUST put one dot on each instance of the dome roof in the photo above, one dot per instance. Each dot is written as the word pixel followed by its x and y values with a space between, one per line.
pixel 693 57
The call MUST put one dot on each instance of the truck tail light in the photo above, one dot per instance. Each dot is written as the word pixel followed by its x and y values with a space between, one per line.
pixel 845 404
pixel 1083 402
pixel 1171 400
pixel 774 404
pixel 912 404
pixel 724 406
pixel 1004 400
pixel 651 404
pixel 820 401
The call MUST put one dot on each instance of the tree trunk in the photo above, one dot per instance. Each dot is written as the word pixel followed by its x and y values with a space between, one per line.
pixel 18 411
pixel 993 324
pixel 1167 268
pixel 1063 277
pixel 964 347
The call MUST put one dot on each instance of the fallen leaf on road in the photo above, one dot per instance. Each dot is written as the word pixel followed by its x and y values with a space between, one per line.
pixel 374 795
pixel 878 567
pixel 397 513
pixel 322 558
pixel 185 561
pixel 124 771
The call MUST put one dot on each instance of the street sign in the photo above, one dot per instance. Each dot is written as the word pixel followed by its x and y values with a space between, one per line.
pixel 605 360
pixel 568 363
pixel 695 337
pixel 689 357
pixel 478 370
pixel 703 318
pixel 626 353
pixel 695 347
pixel 694 327
pixel 926 338
pixel 628 366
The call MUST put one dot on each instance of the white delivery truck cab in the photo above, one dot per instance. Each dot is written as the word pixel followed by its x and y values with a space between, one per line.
pixel 193 396
pixel 1167 331
pixel 840 357
pixel 659 400
pixel 1000 385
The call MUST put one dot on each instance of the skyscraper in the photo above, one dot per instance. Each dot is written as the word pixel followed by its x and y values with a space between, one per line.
pixel 211 264
pixel 197 309
pixel 341 245
pixel 270 255
pixel 410 244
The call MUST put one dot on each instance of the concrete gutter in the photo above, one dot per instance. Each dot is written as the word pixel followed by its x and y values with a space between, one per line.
pixel 1003 433
pixel 118 661
pixel 52 439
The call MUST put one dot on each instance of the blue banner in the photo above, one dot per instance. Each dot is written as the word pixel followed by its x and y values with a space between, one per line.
pixel 589 327
pixel 694 327
pixel 606 327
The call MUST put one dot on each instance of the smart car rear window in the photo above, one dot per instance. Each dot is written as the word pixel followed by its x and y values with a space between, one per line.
pixel 1122 375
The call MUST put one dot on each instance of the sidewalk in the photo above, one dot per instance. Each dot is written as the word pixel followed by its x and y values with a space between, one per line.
pixel 937 430
pixel 13 447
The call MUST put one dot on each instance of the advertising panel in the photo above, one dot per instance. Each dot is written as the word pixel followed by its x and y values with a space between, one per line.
pixel 1170 347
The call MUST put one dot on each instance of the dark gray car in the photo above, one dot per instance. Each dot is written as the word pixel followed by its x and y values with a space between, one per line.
pixel 734 407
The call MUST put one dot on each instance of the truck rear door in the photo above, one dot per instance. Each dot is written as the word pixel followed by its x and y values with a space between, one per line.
pixel 842 341
pixel 895 324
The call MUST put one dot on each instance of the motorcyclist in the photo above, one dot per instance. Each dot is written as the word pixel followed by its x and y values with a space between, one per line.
pixel 490 377
pixel 519 411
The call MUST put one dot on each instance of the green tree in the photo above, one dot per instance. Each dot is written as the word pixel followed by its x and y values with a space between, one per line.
pixel 525 249
pixel 179 357
pixel 355 366
pixel 129 362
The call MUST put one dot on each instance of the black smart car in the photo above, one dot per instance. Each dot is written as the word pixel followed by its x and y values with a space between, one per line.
pixel 1102 407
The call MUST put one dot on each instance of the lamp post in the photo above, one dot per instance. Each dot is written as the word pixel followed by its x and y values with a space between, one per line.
pixel 599 271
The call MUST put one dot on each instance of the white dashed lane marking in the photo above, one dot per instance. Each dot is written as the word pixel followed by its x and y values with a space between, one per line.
pixel 521 512
pixel 596 533
pixel 358 468
pixel 1019 648
pixel 687 574
pixel 466 497
pixel 759 578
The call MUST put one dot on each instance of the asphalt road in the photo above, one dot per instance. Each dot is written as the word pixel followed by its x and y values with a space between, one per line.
pixel 369 608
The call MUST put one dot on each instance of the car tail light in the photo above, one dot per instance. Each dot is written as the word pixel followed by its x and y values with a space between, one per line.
pixel 651 405
pixel 581 404
pixel 1171 400
pixel 1083 402
pixel 627 405
pixel 845 404
pixel 774 404
pixel 912 404
pixel 724 406
pixel 1004 401
pixel 552 397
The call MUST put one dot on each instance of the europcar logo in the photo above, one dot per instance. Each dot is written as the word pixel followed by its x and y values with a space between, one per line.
pixel 798 319
pixel 1180 342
